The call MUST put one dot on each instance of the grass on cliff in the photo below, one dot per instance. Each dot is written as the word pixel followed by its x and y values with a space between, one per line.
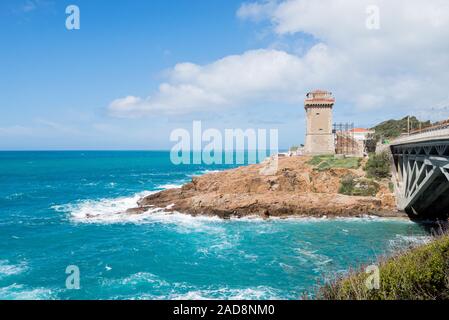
pixel 323 163
pixel 421 273
pixel 355 186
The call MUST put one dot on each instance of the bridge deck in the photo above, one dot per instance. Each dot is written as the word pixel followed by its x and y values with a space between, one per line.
pixel 442 134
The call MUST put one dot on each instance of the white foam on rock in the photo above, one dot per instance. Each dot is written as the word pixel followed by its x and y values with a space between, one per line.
pixel 104 210
pixel 110 211
pixel 169 186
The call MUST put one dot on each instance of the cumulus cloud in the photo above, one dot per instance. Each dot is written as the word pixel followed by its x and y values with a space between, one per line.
pixel 268 75
pixel 401 65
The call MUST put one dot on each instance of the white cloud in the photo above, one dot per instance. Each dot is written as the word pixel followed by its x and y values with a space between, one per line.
pixel 400 66
pixel 256 11
pixel 232 81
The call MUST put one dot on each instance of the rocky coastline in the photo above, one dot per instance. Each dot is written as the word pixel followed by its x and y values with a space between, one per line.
pixel 296 189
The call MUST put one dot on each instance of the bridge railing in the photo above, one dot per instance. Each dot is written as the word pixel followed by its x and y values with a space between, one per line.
pixel 435 134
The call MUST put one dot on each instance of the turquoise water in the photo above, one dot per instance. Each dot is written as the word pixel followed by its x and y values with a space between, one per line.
pixel 45 198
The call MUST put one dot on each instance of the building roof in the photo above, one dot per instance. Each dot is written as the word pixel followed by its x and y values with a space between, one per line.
pixel 319 97
pixel 361 130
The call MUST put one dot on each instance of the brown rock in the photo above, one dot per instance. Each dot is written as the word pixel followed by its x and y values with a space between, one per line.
pixel 295 190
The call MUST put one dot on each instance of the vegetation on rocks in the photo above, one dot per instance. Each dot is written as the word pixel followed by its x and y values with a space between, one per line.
pixel 378 166
pixel 421 273
pixel 323 163
pixel 356 186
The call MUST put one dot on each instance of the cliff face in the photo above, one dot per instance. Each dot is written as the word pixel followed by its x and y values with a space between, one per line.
pixel 295 189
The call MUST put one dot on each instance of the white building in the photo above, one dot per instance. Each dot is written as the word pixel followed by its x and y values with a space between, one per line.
pixel 361 134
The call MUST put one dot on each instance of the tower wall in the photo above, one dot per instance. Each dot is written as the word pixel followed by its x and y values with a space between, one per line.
pixel 319 136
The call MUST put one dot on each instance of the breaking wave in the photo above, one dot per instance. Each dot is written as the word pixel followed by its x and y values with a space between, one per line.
pixel 21 292
pixel 104 210
pixel 404 241
pixel 114 210
pixel 169 186
pixel 7 269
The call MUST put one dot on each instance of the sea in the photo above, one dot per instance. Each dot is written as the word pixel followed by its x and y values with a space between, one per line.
pixel 62 237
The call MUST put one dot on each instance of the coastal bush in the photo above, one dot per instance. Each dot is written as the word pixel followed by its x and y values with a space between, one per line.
pixel 323 163
pixel 378 166
pixel 347 185
pixel 421 273
pixel 353 186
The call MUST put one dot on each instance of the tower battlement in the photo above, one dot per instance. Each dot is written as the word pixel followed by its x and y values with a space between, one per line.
pixel 319 98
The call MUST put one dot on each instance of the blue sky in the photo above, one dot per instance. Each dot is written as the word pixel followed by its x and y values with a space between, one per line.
pixel 138 69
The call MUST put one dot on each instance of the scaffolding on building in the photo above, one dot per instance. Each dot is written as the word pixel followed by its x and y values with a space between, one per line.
pixel 345 142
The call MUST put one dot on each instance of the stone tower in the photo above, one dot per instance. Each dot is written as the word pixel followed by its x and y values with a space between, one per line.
pixel 319 136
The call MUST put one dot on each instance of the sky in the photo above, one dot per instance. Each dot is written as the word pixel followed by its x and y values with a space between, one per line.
pixel 137 70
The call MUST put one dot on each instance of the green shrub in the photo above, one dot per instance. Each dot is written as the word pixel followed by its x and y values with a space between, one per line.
pixel 378 166
pixel 353 186
pixel 347 185
pixel 419 274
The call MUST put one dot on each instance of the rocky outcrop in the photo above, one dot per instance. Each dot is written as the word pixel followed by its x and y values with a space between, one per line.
pixel 296 189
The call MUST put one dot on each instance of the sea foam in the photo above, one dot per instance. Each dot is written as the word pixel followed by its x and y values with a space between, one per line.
pixel 21 292
pixel 256 293
pixel 103 210
pixel 7 269
pixel 113 210
pixel 169 186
